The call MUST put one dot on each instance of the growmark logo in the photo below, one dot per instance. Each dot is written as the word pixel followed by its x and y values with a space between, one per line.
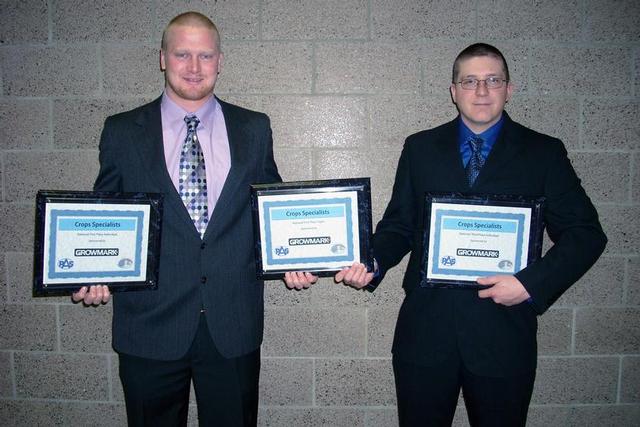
pixel 448 260
pixel 281 251
pixel 65 263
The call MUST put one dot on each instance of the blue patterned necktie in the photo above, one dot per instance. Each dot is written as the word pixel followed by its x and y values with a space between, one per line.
pixel 193 177
pixel 476 161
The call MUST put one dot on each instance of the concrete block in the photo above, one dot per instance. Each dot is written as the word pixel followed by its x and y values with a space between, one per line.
pixel 578 66
pixel 406 19
pixel 354 382
pixel 602 285
pixel 328 294
pixel 278 295
pixel 554 332
pixel 611 124
pixel 266 68
pixel 521 19
pixel 19 267
pixel 437 66
pixel 607 330
pixel 381 168
pixel 28 327
pixel 24 124
pixel 312 121
pixel 132 70
pixel 235 19
pixel 117 394
pixel 24 21
pixel 50 70
pixel 294 164
pixel 547 415
pixel 56 376
pixel 389 294
pixel 637 69
pixel 605 176
pixel 27 172
pixel 75 319
pixel 382 418
pixel 633 282
pixel 612 21
pixel 102 20
pixel 4 279
pixel 356 67
pixel 311 20
pixel 25 413
pixel 604 416
pixel 286 382
pixel 67 133
pixel 395 117
pixel 318 121
pixel 559 118
pixel 635 180
pixel 630 387
pixel 16 227
pixel 6 381
pixel 310 417
pixel 622 228
pixel 314 332
pixel 380 329
pixel 563 380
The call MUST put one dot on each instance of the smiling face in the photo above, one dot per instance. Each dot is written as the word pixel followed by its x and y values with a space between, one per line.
pixel 191 59
pixel 480 108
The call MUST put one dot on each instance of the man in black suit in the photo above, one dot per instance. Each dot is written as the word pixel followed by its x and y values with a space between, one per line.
pixel 205 320
pixel 483 342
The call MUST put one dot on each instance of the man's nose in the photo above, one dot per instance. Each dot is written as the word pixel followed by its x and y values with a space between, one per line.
pixel 482 87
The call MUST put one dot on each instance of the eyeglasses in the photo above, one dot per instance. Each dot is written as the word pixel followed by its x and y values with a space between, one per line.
pixel 489 82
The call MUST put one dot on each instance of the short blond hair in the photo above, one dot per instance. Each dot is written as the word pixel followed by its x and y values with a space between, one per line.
pixel 193 19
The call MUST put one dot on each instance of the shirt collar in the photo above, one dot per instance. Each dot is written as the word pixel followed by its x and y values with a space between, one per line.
pixel 489 136
pixel 175 113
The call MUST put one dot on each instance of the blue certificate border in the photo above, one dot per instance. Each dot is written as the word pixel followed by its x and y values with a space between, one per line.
pixel 346 202
pixel 60 213
pixel 519 218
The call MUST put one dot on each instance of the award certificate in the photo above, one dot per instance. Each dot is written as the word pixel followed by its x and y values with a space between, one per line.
pixel 315 226
pixel 95 238
pixel 472 237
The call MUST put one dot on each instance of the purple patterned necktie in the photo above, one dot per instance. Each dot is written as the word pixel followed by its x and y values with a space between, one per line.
pixel 476 161
pixel 193 177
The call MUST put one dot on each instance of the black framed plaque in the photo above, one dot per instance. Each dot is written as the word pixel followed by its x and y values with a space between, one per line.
pixel 314 226
pixel 467 237
pixel 84 238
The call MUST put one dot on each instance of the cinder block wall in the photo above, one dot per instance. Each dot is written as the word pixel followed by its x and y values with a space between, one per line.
pixel 344 81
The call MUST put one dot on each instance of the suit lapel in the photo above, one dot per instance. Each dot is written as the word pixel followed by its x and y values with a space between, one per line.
pixel 240 139
pixel 149 144
pixel 501 155
pixel 450 157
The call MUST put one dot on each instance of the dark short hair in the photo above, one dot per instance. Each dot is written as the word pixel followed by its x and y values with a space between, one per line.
pixel 475 50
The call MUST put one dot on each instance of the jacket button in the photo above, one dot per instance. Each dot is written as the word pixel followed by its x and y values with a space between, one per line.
pixel 203 245
pixel 203 279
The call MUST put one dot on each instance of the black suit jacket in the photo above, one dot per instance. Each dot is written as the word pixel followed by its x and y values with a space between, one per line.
pixel 493 340
pixel 216 273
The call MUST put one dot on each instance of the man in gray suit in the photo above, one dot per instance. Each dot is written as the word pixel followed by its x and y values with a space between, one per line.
pixel 205 320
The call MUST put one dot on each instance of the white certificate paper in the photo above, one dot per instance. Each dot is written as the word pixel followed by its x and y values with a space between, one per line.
pixel 471 241
pixel 309 230
pixel 95 243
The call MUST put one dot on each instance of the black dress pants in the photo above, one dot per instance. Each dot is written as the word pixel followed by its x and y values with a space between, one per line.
pixel 428 395
pixel 157 391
